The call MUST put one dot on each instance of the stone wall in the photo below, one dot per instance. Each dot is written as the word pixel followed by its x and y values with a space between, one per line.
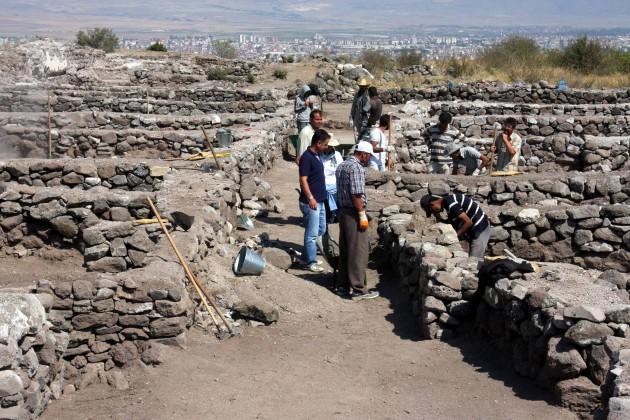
pixel 498 108
pixel 85 142
pixel 498 92
pixel 561 326
pixel 32 371
pixel 130 99
pixel 588 236
pixel 571 188
pixel 82 173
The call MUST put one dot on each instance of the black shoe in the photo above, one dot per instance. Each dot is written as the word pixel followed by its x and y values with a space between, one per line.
pixel 340 291
pixel 354 295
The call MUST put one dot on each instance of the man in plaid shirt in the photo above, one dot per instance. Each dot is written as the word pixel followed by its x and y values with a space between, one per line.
pixel 353 224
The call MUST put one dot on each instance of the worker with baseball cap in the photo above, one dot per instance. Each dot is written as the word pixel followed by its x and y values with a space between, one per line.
pixel 353 224
pixel 360 112
pixel 472 160
pixel 466 217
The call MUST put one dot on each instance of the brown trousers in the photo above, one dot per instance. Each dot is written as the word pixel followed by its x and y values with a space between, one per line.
pixel 354 250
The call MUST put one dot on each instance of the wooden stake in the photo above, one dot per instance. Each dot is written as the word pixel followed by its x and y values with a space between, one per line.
pixel 494 138
pixel 212 149
pixel 49 128
pixel 389 141
pixel 205 298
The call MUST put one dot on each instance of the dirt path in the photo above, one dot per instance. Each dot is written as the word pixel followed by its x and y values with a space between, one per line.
pixel 326 358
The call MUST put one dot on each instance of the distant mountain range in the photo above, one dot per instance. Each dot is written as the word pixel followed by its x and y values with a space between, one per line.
pixel 65 17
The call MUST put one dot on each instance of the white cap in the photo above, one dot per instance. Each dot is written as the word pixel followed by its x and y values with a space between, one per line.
pixel 364 146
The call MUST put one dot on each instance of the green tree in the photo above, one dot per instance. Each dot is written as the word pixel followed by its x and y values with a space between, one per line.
pixel 408 58
pixel 583 55
pixel 157 46
pixel 376 61
pixel 224 49
pixel 101 38
pixel 515 51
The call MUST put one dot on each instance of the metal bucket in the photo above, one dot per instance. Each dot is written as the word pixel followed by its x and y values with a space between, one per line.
pixel 248 262
pixel 223 138
pixel 244 222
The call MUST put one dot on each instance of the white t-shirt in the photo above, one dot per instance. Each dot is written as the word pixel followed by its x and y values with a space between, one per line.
pixel 505 161
pixel 379 160
pixel 330 163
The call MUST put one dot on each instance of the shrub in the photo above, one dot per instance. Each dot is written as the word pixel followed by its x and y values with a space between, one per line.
pixel 408 58
pixel 515 51
pixel 251 79
pixel 280 74
pixel 376 61
pixel 224 49
pixel 217 73
pixel 583 55
pixel 288 59
pixel 459 67
pixel 157 46
pixel 100 38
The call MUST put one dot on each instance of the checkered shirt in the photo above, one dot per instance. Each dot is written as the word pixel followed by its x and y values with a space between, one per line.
pixel 350 181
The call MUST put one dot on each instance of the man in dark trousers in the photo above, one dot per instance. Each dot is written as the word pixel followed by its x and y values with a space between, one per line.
pixel 465 215
pixel 360 111
pixel 313 196
pixel 354 240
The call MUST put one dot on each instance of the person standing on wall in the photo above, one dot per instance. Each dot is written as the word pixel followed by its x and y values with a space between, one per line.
pixel 360 110
pixel 376 107
pixel 466 217
pixel 302 107
pixel 439 137
pixel 507 147
pixel 380 145
pixel 316 121
pixel 353 225
pixel 312 197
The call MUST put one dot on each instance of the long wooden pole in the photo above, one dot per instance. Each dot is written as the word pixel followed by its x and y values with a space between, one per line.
pixel 216 160
pixel 389 141
pixel 205 299
pixel 494 139
pixel 49 128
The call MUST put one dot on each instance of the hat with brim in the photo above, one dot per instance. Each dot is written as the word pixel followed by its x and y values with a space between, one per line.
pixel 363 82
pixel 453 148
pixel 365 147
pixel 333 142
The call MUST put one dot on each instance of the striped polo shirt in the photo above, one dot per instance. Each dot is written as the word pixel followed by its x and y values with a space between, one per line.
pixel 456 204
pixel 439 141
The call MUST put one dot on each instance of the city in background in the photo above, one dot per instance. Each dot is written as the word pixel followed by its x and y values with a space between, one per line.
pixel 432 44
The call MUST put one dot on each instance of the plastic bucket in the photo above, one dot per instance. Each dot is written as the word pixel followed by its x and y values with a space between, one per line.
pixel 248 262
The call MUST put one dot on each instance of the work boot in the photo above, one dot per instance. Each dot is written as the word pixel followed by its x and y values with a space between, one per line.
pixel 355 295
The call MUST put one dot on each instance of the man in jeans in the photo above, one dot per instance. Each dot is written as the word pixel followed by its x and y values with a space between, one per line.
pixel 312 197
pixel 466 217
pixel 354 240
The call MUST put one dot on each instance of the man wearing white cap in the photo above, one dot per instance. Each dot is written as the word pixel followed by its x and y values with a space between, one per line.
pixel 353 224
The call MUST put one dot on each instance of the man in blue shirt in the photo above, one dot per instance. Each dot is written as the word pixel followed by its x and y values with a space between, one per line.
pixel 313 196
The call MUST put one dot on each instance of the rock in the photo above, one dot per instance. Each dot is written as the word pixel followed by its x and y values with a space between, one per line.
pixel 616 278
pixel 434 305
pixel 23 313
pixel 124 352
pixel 120 214
pixel 586 333
pixel 583 212
pixel 140 241
pixel 154 355
pixel 439 188
pixel 10 383
pixel 448 280
pixel 562 362
pixel 47 211
pixel 96 252
pixel 277 257
pixel 619 314
pixel 589 313
pixel 253 307
pixel 598 362
pixel 116 379
pixel 579 394
pixel 94 320
pixel 108 265
pixel 527 216
pixel 169 308
pixel 167 327
pixel 66 226
pixel 93 236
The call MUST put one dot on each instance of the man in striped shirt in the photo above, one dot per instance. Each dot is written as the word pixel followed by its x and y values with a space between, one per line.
pixel 439 137
pixel 465 215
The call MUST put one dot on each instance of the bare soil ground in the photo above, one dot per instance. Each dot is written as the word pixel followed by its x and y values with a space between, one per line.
pixel 47 263
pixel 326 358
